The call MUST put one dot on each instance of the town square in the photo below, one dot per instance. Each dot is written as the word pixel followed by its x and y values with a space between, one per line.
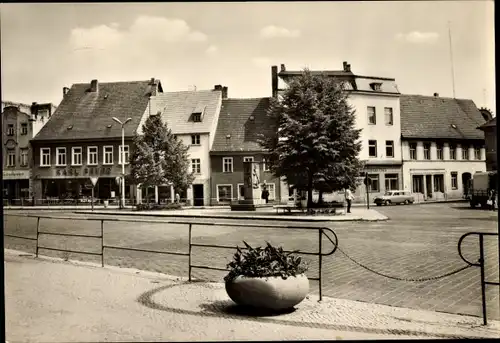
pixel 277 194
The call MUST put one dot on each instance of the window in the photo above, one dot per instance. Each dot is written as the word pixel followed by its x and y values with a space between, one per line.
pixel 126 152
pixel 224 193
pixel 453 152
pixel 439 183
pixel 92 155
pixel 44 157
pixel 389 148
pixel 248 159
pixel 197 117
pixel 373 180
pixel 11 158
pixel 376 86
pixel 454 180
pixel 24 128
pixel 427 151
pixel 389 120
pixel 418 183
pixel 60 156
pixel 265 165
pixel 76 156
pixel 372 116
pixel 439 151
pixel 108 154
pixel 195 140
pixel 413 151
pixel 24 157
pixel 227 164
pixel 391 182
pixel 196 165
pixel 10 130
pixel 372 148
pixel 271 190
pixel 477 153
pixel 465 153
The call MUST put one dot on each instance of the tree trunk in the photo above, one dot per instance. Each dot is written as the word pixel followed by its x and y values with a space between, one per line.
pixel 147 194
pixel 320 198
pixel 310 193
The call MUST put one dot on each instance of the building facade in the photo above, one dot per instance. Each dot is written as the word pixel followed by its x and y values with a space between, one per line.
pixel 192 116
pixel 377 110
pixel 21 123
pixel 490 137
pixel 81 141
pixel 441 146
pixel 236 141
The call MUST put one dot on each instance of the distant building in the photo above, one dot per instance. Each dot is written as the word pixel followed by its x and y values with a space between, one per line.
pixel 377 110
pixel 20 122
pixel 490 135
pixel 81 140
pixel 236 141
pixel 192 116
pixel 441 146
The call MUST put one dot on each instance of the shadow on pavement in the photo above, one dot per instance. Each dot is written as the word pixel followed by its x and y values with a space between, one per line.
pixel 229 307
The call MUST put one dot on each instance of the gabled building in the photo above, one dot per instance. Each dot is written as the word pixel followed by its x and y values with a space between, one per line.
pixel 441 145
pixel 236 141
pixel 20 122
pixel 377 110
pixel 192 116
pixel 490 136
pixel 81 140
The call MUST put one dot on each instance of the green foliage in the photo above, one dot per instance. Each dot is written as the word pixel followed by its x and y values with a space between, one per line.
pixel 315 144
pixel 159 157
pixel 152 207
pixel 264 262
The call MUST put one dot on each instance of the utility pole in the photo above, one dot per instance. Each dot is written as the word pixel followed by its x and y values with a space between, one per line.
pixel 451 59
pixel 122 152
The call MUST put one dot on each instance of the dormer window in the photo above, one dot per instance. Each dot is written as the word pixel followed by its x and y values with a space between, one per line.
pixel 376 86
pixel 196 117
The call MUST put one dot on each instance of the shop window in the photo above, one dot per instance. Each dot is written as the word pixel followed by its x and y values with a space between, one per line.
pixel 439 183
pixel 224 193
pixel 374 182
pixel 391 182
pixel 418 183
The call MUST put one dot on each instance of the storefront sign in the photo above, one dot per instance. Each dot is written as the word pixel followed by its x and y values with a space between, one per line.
pixel 87 171
pixel 16 174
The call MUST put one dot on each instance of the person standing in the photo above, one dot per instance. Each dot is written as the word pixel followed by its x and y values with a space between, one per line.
pixel 348 198
pixel 265 194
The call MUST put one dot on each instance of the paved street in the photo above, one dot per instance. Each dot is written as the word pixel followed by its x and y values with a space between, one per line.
pixel 418 241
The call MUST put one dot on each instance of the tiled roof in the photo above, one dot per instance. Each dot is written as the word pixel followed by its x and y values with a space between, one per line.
pixel 234 120
pixel 436 117
pixel 90 113
pixel 490 123
pixel 177 108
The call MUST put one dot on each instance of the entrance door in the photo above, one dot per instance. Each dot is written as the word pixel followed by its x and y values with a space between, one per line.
pixel 428 185
pixel 198 195
pixel 466 177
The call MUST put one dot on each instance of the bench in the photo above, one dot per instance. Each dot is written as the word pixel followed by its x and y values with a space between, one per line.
pixel 287 208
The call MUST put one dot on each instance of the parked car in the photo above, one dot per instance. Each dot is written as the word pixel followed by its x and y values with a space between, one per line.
pixel 395 197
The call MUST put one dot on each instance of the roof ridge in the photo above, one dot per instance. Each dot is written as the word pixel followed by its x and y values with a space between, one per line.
pixel 113 82
pixel 196 91
pixel 256 98
pixel 435 97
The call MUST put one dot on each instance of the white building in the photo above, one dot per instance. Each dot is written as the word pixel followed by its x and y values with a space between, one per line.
pixel 192 116
pixel 441 145
pixel 376 104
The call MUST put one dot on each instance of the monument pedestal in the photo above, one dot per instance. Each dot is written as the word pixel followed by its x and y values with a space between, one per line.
pixel 244 205
pixel 251 173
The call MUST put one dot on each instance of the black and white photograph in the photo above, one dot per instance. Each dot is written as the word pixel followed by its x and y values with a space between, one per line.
pixel 241 171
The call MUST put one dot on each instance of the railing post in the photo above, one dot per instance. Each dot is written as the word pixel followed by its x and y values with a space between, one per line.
pixel 320 259
pixel 483 285
pixel 37 235
pixel 189 257
pixel 102 243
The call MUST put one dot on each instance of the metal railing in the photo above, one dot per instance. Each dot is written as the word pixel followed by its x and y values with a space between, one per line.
pixel 321 231
pixel 480 264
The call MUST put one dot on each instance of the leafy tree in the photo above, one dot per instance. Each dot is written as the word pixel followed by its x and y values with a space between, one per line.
pixel 159 157
pixel 314 144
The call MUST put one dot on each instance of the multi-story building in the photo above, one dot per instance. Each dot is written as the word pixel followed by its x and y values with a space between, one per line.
pixel 441 146
pixel 81 140
pixel 236 141
pixel 21 122
pixel 192 116
pixel 377 110
pixel 490 135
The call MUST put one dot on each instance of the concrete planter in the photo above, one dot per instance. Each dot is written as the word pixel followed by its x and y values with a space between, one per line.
pixel 271 293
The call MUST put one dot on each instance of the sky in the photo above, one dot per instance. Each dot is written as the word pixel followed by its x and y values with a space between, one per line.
pixel 45 47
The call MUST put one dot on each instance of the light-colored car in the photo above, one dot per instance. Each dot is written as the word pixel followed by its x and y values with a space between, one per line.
pixel 395 197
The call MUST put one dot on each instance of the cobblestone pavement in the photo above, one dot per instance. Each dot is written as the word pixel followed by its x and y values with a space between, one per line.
pixel 417 242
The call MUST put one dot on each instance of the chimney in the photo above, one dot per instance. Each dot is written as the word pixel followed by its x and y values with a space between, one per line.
pixel 436 95
pixel 34 109
pixel 224 92
pixel 274 81
pixel 283 67
pixel 65 91
pixel 348 68
pixel 94 86
pixel 345 66
pixel 152 82
pixel 218 88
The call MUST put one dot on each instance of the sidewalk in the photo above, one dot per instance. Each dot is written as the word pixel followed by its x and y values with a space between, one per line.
pixel 264 213
pixel 76 302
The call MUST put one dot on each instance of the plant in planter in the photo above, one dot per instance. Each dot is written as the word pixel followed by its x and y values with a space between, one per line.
pixel 266 278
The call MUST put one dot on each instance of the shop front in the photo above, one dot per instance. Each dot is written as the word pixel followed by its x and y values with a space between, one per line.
pixel 381 178
pixel 16 186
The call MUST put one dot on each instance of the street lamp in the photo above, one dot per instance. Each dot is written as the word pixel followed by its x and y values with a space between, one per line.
pixel 123 156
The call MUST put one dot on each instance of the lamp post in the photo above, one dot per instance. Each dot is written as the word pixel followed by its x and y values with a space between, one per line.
pixel 123 156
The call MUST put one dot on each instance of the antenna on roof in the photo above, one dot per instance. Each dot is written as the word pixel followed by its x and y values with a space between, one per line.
pixel 451 58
